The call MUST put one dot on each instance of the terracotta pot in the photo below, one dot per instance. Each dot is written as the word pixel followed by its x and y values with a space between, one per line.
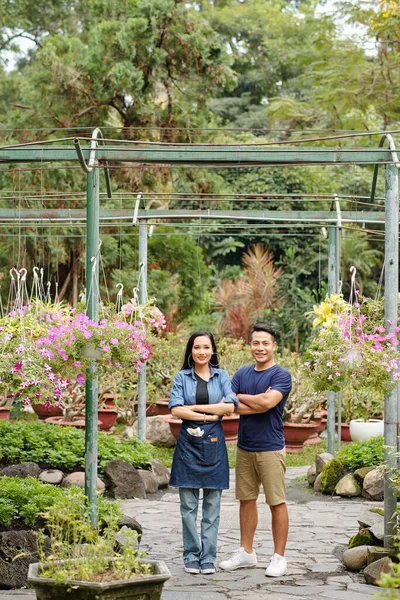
pixel 296 434
pixel 107 418
pixel 174 424
pixel 162 406
pixel 43 413
pixel 313 439
pixel 78 421
pixel 108 400
pixel 230 426
pixel 151 409
pixel 345 432
pixel 4 413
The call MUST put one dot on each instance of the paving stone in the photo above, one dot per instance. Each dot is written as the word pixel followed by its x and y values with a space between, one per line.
pixel 301 591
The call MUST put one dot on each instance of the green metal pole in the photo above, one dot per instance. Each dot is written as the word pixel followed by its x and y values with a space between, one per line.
pixel 391 316
pixel 330 396
pixel 92 311
pixel 142 299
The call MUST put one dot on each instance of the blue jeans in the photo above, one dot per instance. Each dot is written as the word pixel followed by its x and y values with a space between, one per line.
pixel 203 549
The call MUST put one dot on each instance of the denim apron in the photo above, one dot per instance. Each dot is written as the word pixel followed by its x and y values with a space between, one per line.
pixel 201 462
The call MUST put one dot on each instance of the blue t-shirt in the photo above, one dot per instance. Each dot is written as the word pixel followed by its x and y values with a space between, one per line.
pixel 263 431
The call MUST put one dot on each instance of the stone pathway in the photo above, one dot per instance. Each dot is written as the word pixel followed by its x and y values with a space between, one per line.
pixel 319 530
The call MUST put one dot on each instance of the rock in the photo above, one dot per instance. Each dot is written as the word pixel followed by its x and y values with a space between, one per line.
pixel 149 481
pixel 131 523
pixel 321 460
pixel 312 475
pixel 378 530
pixel 78 479
pixel 348 487
pixel 370 517
pixel 360 474
pixel 124 536
pixel 160 472
pixel 14 571
pixel 373 485
pixel 123 480
pixel 24 469
pixel 158 432
pixel 331 473
pixel 373 572
pixel 377 552
pixel 363 538
pixel 355 559
pixel 52 476
pixel 317 484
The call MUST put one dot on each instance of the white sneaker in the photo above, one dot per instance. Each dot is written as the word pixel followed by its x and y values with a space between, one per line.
pixel 277 567
pixel 239 560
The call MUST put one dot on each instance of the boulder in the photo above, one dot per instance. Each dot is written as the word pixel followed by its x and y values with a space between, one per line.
pixel 355 559
pixel 360 474
pixel 160 472
pixel 331 474
pixel 53 476
pixel 348 487
pixel 78 479
pixel 158 432
pixel 123 480
pixel 373 572
pixel 14 571
pixel 373 485
pixel 363 538
pixel 377 552
pixel 321 460
pixel 149 481
pixel 131 523
pixel 24 469
pixel 312 475
pixel 317 484
pixel 370 517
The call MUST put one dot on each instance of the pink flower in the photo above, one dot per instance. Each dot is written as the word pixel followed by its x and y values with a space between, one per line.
pixel 114 341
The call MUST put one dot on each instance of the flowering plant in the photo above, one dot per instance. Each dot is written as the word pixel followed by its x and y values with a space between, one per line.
pixel 50 362
pixel 354 351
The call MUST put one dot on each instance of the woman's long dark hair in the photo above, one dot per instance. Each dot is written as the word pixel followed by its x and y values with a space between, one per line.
pixel 189 347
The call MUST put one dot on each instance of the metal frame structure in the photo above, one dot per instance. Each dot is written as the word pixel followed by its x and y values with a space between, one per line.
pixel 92 157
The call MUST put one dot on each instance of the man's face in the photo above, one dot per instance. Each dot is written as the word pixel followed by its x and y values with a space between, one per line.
pixel 262 346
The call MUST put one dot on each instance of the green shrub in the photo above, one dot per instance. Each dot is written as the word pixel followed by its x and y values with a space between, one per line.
pixel 27 499
pixel 64 447
pixel 362 454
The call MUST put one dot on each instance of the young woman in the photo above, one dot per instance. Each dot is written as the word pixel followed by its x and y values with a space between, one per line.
pixel 201 394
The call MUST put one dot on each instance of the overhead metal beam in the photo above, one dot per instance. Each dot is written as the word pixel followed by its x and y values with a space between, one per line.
pixel 306 216
pixel 200 155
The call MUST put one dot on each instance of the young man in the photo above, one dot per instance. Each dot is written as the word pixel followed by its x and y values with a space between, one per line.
pixel 262 390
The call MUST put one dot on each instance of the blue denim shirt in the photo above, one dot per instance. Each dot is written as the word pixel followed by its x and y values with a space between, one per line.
pixel 185 385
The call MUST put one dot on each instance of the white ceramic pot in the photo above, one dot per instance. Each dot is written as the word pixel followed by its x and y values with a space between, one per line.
pixel 360 430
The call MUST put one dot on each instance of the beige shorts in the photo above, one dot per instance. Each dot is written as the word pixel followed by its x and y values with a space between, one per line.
pixel 256 468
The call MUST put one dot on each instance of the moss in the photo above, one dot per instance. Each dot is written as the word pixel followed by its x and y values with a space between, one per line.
pixel 379 511
pixel 360 474
pixel 363 538
pixel 332 472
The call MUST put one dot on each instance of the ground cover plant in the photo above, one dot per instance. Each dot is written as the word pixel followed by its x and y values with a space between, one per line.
pixel 64 447
pixel 26 500
pixel 362 454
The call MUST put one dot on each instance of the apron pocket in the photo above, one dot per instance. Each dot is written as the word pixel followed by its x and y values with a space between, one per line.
pixel 201 451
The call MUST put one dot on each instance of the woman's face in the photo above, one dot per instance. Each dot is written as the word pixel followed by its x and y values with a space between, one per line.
pixel 201 350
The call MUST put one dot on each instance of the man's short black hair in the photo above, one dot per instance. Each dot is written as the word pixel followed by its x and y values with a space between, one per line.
pixel 262 327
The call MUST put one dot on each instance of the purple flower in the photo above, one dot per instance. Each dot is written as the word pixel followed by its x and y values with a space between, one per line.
pixel 80 379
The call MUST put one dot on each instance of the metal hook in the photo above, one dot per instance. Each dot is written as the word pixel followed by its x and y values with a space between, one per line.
pixel 41 274
pixel 11 273
pixel 121 287
pixel 340 285
pixel 94 261
pixel 35 272
pixel 353 272
pixel 24 273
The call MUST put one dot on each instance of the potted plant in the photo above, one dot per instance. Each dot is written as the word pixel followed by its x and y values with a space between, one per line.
pixel 88 562
pixel 353 352
pixel 301 406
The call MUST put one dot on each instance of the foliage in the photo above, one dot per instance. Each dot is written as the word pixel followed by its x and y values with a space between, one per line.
pixel 362 454
pixel 64 447
pixel 241 301
pixel 233 354
pixel 27 500
pixel 354 352
pixel 86 551
pixel 50 362
pixel 166 359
